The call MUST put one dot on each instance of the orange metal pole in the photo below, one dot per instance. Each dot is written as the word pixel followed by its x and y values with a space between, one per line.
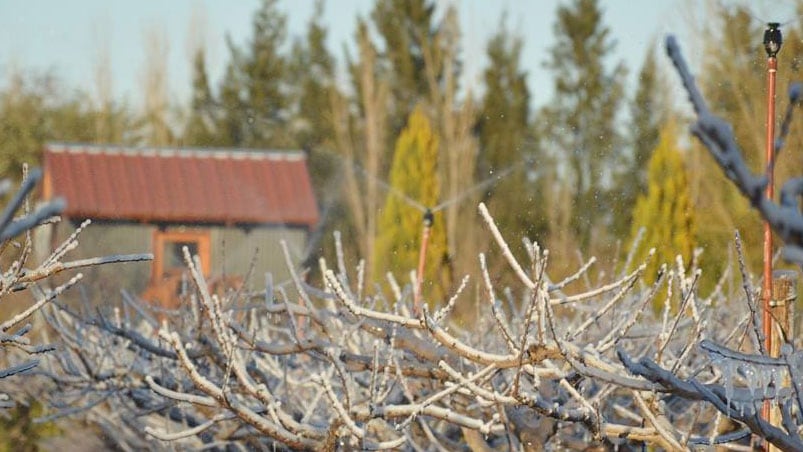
pixel 772 44
pixel 422 259
pixel 772 65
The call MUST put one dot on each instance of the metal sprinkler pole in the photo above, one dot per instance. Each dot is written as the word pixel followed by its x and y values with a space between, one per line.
pixel 772 44
pixel 429 218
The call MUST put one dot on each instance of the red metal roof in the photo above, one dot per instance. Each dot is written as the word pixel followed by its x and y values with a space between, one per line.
pixel 181 185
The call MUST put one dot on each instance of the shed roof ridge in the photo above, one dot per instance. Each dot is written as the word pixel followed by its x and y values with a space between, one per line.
pixel 184 152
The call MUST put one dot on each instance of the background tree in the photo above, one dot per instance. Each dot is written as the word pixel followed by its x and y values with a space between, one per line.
pixel 665 211
pixel 114 122
pixel 506 139
pixel 35 109
pixel 154 124
pixel 360 127
pixel 200 127
pixel 409 36
pixel 312 68
pixel 254 99
pixel 582 116
pixel 414 173
pixel 648 111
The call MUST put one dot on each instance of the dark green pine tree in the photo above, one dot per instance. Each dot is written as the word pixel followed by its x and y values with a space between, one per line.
pixel 200 130
pixel 506 140
pixel 581 119
pixel 253 95
pixel 647 112
pixel 410 36
pixel 312 70
pixel 232 118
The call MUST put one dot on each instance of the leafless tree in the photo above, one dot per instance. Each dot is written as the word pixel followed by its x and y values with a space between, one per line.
pixel 20 354
pixel 330 368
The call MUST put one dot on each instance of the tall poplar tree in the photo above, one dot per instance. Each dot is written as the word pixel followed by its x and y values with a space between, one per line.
pixel 582 115
pixel 414 173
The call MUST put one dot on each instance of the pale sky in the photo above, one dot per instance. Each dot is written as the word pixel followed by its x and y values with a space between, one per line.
pixel 66 36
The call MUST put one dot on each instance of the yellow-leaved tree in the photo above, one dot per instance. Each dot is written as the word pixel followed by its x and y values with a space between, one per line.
pixel 665 211
pixel 414 175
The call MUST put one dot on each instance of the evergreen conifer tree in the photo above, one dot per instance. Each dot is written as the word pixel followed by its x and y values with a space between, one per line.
pixel 414 173
pixel 199 130
pixel 665 211
pixel 254 97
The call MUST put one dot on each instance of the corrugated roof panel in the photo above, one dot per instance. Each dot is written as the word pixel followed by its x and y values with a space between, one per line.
pixel 182 186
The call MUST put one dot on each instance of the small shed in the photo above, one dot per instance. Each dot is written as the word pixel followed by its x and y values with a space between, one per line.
pixel 230 206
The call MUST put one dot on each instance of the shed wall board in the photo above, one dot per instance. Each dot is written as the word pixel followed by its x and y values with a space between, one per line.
pixel 232 251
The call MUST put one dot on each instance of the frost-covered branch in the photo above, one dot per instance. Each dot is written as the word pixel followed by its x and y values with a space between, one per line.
pixel 717 136
pixel 239 369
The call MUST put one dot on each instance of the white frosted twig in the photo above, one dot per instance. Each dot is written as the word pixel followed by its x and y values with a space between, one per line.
pixel 665 338
pixel 360 278
pixel 57 267
pixel 66 245
pixel 577 396
pixel 356 430
pixel 429 401
pixel 294 274
pixel 572 278
pixel 164 436
pixel 341 260
pixel 394 287
pixel 631 254
pixel 180 396
pixel 600 290
pixel 616 334
pixel 660 427
pixel 358 311
pixel 441 313
pixel 511 259
pixel 482 357
pixel 500 322
pixel 10 323
pixel 604 310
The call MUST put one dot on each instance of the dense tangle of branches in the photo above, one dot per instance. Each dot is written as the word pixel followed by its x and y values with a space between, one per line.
pixel 543 364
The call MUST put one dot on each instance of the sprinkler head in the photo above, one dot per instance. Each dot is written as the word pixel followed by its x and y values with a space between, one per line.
pixel 772 39
pixel 429 218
